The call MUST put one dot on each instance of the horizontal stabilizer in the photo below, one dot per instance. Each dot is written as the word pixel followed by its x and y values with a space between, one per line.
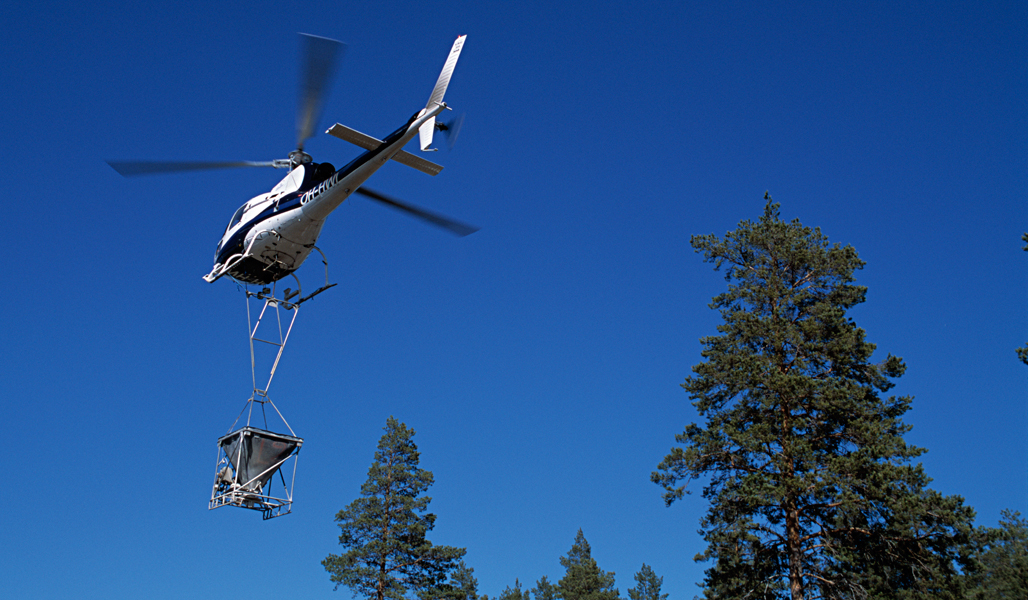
pixel 367 142
pixel 354 137
pixel 425 166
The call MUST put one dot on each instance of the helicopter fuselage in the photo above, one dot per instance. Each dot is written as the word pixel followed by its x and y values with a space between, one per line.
pixel 271 235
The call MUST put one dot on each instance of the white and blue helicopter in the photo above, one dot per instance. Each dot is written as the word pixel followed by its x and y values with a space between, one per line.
pixel 271 235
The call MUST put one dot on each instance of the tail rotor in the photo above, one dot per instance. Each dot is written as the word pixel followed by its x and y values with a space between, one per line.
pixel 451 130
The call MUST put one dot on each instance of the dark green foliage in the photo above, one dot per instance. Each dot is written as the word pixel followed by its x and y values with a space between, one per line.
pixel 808 478
pixel 463 578
pixel 583 579
pixel 647 585
pixel 514 593
pixel 1001 567
pixel 383 531
pixel 461 586
pixel 544 590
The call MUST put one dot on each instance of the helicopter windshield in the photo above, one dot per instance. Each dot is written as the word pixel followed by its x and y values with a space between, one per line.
pixel 236 218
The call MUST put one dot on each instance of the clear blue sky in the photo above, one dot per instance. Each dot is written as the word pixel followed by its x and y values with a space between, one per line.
pixel 539 359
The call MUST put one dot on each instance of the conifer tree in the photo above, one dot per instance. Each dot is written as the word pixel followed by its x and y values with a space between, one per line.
pixel 514 593
pixel 810 488
pixel 383 532
pixel 545 590
pixel 647 585
pixel 1001 565
pixel 583 579
pixel 462 586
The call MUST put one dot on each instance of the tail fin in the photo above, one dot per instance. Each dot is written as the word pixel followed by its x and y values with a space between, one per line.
pixel 428 128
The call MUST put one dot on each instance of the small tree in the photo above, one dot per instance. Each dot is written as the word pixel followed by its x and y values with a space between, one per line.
pixel 383 531
pixel 810 488
pixel 583 579
pixel 647 585
pixel 1001 566
pixel 545 590
pixel 514 593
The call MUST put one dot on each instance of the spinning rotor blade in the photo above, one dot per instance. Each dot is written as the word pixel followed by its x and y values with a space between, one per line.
pixel 318 63
pixel 131 168
pixel 455 227
pixel 451 130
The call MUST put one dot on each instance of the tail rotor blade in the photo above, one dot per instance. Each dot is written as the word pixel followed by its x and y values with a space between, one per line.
pixel 318 63
pixel 455 227
pixel 452 130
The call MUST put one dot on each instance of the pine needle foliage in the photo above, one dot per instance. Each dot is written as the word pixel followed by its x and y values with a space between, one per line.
pixel 514 593
pixel 462 586
pixel 1001 563
pixel 545 590
pixel 810 488
pixel 583 579
pixel 647 585
pixel 383 531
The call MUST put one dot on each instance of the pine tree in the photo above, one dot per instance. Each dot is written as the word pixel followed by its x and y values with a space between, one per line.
pixel 1001 566
pixel 647 585
pixel 461 586
pixel 545 590
pixel 383 531
pixel 809 481
pixel 583 579
pixel 514 593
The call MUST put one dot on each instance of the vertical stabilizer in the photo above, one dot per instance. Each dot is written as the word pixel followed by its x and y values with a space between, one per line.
pixel 428 128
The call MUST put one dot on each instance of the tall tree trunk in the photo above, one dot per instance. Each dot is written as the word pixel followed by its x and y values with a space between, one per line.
pixel 794 551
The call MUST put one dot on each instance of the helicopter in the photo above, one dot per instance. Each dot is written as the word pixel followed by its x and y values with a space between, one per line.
pixel 271 235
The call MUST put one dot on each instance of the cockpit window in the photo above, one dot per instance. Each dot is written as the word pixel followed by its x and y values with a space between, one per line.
pixel 236 218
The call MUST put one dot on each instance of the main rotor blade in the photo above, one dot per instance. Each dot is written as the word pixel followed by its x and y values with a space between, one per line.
pixel 455 227
pixel 131 168
pixel 318 62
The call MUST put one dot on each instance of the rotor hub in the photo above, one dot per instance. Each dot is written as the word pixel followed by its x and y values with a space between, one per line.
pixel 299 157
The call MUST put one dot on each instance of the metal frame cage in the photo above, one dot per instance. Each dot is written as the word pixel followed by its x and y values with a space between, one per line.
pixel 248 459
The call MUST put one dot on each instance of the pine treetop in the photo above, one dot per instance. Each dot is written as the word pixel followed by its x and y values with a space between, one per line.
pixel 647 585
pixel 808 476
pixel 384 530
pixel 583 579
